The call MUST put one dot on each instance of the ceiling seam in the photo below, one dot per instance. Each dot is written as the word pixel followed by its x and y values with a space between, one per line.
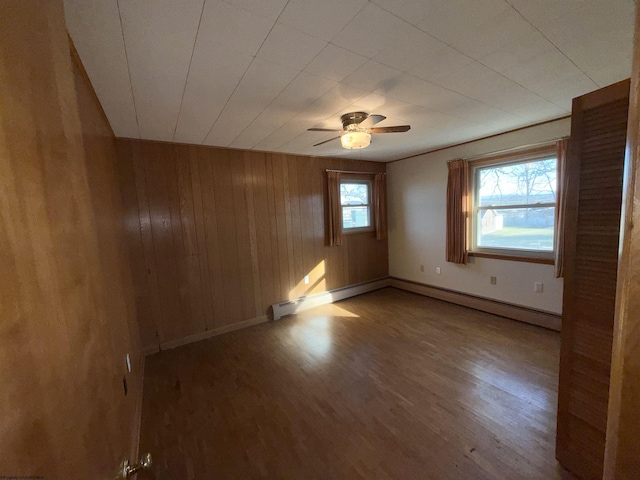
pixel 552 43
pixel 350 20
pixel 244 74
pixel 186 79
pixel 280 93
pixel 330 42
pixel 475 60
pixel 263 110
pixel 294 78
pixel 126 56
pixel 442 86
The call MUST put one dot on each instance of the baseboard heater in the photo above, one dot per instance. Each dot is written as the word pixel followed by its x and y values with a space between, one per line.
pixel 549 320
pixel 305 303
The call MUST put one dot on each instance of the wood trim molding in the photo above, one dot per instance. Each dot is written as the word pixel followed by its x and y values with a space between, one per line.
pixel 446 147
pixel 515 155
pixel 150 350
pixel 540 318
pixel 513 258
pixel 204 335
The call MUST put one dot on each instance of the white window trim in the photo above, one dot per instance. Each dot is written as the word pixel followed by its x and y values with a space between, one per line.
pixel 517 158
pixel 369 206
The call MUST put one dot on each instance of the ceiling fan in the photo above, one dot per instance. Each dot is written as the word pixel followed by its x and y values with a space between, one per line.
pixel 357 128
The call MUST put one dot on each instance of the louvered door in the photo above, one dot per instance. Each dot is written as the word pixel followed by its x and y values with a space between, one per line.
pixel 594 197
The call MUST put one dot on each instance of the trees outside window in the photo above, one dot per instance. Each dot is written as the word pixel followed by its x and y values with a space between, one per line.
pixel 514 206
pixel 355 199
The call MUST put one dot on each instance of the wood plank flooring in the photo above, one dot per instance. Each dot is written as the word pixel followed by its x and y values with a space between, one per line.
pixel 388 385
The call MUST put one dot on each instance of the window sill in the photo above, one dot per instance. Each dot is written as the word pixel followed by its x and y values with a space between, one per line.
pixel 514 258
pixel 349 231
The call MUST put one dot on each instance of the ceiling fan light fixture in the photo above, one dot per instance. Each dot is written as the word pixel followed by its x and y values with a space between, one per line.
pixel 355 140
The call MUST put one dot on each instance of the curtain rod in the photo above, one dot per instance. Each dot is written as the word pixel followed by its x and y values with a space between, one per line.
pixel 358 173
pixel 515 149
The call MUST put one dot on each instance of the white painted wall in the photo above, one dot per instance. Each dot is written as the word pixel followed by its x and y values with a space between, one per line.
pixel 417 221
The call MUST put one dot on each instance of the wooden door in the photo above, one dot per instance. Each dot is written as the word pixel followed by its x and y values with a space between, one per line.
pixel 595 167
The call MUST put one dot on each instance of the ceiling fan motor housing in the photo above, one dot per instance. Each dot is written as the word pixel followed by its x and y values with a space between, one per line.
pixel 350 121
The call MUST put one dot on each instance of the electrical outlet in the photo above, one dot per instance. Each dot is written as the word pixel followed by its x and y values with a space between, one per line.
pixel 422 268
pixel 306 279
pixel 493 280
pixel 538 287
pixel 438 270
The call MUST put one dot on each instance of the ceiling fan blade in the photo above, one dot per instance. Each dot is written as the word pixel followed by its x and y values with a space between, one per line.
pixel 321 143
pixel 322 130
pixel 398 128
pixel 371 120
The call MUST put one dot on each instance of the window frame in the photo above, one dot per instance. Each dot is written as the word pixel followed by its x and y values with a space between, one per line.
pixel 513 158
pixel 348 178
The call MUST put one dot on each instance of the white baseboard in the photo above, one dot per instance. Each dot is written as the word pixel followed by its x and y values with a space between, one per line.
pixel 548 320
pixel 301 304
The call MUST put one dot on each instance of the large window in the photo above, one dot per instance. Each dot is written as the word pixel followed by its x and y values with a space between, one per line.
pixel 355 200
pixel 514 203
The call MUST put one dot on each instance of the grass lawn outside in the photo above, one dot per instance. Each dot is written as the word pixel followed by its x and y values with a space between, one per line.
pixel 522 238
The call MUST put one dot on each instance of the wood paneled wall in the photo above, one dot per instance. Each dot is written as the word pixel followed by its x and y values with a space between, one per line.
pixel 67 314
pixel 219 235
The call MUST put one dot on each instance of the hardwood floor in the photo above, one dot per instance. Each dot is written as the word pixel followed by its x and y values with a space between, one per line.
pixel 384 385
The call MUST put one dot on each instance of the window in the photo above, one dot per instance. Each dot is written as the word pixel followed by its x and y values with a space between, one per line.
pixel 355 201
pixel 514 204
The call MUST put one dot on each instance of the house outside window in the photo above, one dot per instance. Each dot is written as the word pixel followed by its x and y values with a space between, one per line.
pixel 514 205
pixel 355 201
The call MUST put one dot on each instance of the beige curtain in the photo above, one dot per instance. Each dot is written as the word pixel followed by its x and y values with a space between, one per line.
pixel 335 209
pixel 380 205
pixel 561 205
pixel 457 210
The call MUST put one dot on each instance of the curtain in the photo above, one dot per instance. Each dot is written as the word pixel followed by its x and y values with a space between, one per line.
pixel 380 205
pixel 561 205
pixel 335 209
pixel 457 208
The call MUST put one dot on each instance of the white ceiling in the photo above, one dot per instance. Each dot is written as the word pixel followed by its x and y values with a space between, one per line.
pixel 256 74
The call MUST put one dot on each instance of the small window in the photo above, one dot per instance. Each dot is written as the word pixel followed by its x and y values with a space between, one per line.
pixel 514 205
pixel 355 199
